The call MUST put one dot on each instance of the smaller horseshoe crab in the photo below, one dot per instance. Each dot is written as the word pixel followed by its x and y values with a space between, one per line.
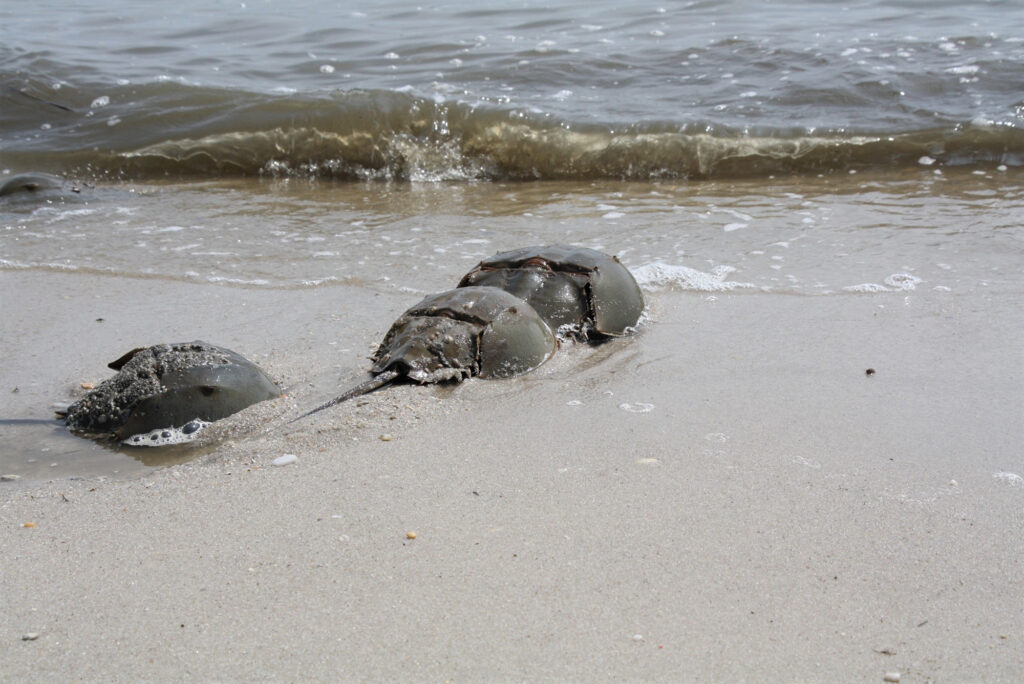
pixel 169 386
pixel 34 183
pixel 457 334
pixel 574 289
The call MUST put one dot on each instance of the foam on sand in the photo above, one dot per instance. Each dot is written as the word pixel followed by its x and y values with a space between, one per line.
pixel 659 275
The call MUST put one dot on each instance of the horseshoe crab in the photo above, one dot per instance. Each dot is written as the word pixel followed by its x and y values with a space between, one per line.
pixel 457 334
pixel 170 386
pixel 34 183
pixel 574 289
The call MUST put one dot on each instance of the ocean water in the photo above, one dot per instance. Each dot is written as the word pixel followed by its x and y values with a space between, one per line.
pixel 460 90
pixel 271 151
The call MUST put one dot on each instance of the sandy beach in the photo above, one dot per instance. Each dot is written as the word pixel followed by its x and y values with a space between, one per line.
pixel 725 496
pixel 805 466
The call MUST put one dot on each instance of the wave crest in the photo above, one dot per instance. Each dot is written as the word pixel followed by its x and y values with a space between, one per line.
pixel 171 129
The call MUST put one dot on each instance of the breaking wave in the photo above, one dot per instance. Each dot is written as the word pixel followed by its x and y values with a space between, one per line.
pixel 168 129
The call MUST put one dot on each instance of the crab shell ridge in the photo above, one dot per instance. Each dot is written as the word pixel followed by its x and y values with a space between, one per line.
pixel 464 332
pixel 567 285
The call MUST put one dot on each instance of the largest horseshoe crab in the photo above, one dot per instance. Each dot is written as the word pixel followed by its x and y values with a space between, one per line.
pixel 575 289
pixel 169 386
pixel 457 334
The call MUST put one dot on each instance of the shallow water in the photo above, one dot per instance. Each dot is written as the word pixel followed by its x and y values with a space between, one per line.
pixel 797 237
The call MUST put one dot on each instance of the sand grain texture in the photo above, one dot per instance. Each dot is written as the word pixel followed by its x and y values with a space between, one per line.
pixel 768 512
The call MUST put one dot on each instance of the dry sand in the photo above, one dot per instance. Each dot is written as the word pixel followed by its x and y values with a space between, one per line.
pixel 726 496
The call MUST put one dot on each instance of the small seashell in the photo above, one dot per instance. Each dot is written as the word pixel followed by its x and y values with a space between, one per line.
pixel 386 437
pixel 28 524
pixel 30 636
pixel 891 677
pixel 285 460
pixel 410 535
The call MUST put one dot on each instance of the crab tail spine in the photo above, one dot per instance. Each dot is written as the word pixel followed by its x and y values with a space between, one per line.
pixel 376 382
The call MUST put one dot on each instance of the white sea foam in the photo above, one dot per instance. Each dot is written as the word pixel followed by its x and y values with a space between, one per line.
pixel 902 281
pixel 897 282
pixel 867 287
pixel 657 275
pixel 53 266
pixel 70 213
pixel 313 282
pixel 738 214
pixel 167 436
pixel 237 281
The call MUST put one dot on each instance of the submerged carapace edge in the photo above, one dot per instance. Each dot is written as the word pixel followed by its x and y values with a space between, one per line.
pixel 458 334
pixel 36 186
pixel 576 290
pixel 167 386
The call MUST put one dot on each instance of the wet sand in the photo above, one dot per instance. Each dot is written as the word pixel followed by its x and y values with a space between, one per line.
pixel 728 495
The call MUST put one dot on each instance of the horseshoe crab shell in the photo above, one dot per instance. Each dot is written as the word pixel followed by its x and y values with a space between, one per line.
pixel 29 183
pixel 29 190
pixel 575 288
pixel 168 386
pixel 463 332
pixel 457 334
